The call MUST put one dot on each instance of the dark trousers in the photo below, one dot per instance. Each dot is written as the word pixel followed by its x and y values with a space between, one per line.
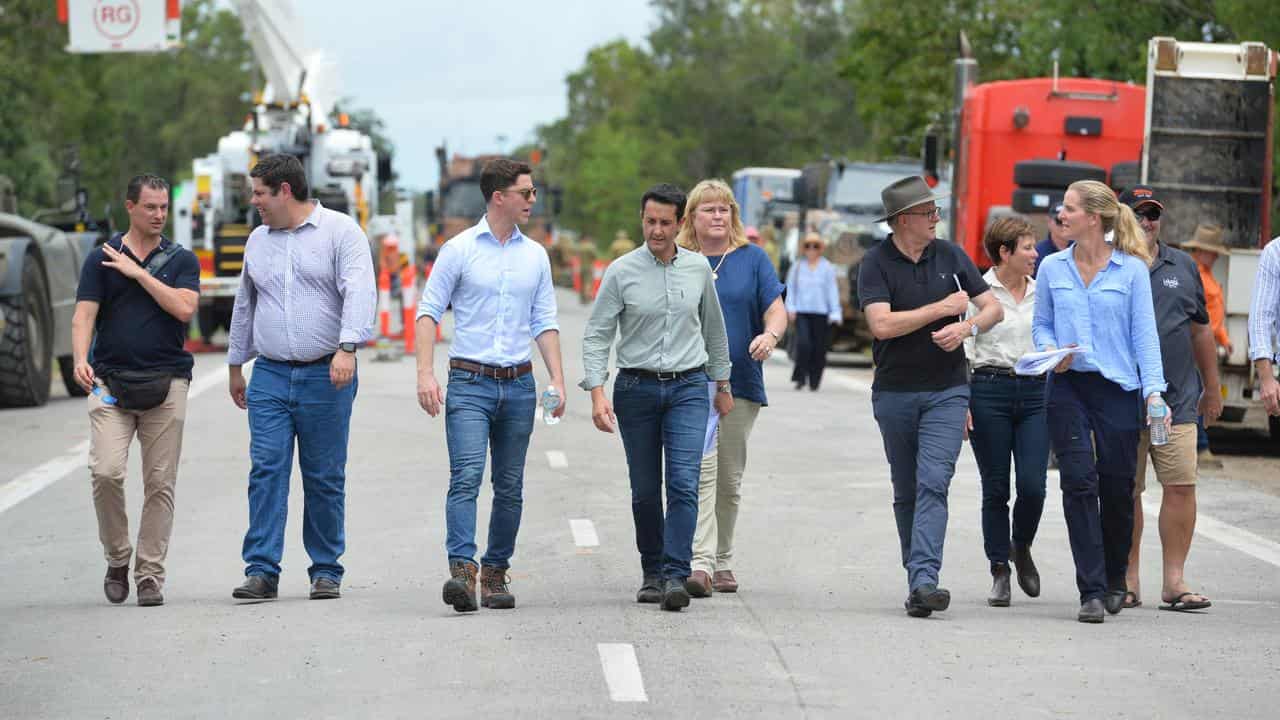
pixel 663 425
pixel 812 330
pixel 1009 421
pixel 1094 424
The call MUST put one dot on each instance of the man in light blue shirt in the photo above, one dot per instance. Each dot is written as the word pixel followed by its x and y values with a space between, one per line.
pixel 499 284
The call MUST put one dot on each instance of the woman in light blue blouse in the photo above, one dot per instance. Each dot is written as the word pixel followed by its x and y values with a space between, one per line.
pixel 813 305
pixel 1097 295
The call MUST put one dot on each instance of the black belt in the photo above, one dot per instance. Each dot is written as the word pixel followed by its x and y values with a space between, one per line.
pixel 303 363
pixel 497 373
pixel 662 376
pixel 995 371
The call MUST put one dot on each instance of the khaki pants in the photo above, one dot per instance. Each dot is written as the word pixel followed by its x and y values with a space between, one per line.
pixel 720 489
pixel 159 433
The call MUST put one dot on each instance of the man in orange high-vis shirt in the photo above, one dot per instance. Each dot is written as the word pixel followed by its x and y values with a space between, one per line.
pixel 1205 246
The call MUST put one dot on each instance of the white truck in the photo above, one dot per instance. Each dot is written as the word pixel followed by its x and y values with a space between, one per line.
pixel 1208 153
pixel 294 114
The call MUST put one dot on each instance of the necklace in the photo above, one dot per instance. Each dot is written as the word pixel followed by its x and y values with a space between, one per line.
pixel 715 271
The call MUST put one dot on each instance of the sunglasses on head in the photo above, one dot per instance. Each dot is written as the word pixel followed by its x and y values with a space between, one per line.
pixel 1057 221
pixel 1152 214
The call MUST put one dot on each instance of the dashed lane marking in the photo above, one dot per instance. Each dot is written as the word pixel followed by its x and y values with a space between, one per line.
pixel 557 459
pixel 42 476
pixel 584 533
pixel 622 672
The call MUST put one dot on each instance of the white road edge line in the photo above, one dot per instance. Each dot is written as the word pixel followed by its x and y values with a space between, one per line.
pixel 1227 534
pixel 557 459
pixel 584 533
pixel 46 474
pixel 622 672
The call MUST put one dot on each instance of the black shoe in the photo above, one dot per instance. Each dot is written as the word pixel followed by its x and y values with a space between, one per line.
pixel 1028 575
pixel 650 590
pixel 256 587
pixel 933 597
pixel 1000 593
pixel 116 584
pixel 799 384
pixel 323 588
pixel 915 608
pixel 674 596
pixel 1113 601
pixel 1091 612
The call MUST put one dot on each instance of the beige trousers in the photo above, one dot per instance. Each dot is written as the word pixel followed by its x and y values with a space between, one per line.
pixel 720 489
pixel 159 432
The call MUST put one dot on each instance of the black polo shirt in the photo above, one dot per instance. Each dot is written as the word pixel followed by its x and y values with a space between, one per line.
pixel 132 331
pixel 912 362
pixel 1178 297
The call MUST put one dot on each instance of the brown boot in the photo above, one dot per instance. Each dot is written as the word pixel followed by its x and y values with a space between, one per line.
pixel 699 584
pixel 460 588
pixel 494 593
pixel 116 584
pixel 724 581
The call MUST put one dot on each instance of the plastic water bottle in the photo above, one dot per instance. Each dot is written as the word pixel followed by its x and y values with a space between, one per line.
pixel 550 401
pixel 1157 414
pixel 106 397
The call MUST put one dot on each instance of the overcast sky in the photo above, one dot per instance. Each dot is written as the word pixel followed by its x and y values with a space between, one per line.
pixel 463 72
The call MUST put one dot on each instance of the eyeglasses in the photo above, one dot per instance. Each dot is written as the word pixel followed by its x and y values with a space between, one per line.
pixel 813 246
pixel 933 214
pixel 1057 221
pixel 1152 214
pixel 526 193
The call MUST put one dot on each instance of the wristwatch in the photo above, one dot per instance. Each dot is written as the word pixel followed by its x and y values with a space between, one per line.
pixel 348 347
pixel 973 328
pixel 724 387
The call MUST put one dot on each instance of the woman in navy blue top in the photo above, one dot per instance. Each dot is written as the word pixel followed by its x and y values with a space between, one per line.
pixel 754 317
pixel 1097 295
pixel 813 305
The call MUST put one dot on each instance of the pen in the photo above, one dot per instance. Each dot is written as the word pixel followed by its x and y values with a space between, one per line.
pixel 957 279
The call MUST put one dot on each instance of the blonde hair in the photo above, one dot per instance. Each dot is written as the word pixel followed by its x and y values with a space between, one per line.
pixel 714 190
pixel 1118 218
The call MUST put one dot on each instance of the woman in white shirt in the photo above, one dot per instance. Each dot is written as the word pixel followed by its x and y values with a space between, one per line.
pixel 1008 412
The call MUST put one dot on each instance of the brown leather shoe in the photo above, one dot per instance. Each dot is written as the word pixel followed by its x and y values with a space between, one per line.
pixel 149 594
pixel 494 593
pixel 460 588
pixel 699 584
pixel 724 581
pixel 116 584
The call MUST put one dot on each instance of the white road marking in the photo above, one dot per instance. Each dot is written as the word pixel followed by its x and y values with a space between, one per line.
pixel 42 476
pixel 622 672
pixel 584 533
pixel 557 459
pixel 1226 534
pixel 847 382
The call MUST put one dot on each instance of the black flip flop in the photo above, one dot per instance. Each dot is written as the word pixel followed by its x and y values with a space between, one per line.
pixel 1178 605
pixel 1134 603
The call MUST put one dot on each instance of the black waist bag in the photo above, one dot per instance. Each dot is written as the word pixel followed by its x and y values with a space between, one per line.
pixel 139 389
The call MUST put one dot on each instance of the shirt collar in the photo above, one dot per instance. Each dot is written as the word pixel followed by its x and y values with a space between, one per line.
pixel 1163 256
pixel 482 229
pixel 994 281
pixel 654 258
pixel 896 254
pixel 1070 256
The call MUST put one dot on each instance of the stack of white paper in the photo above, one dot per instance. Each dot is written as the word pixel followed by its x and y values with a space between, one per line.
pixel 1039 363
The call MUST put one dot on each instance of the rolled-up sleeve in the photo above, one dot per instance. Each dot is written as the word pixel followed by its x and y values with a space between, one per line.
pixel 1265 305
pixel 1145 338
pixel 240 346
pixel 542 314
pixel 713 331
pixel 439 288
pixel 1043 334
pixel 356 285
pixel 601 328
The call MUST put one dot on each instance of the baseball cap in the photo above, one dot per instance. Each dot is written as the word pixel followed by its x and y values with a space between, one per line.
pixel 1140 195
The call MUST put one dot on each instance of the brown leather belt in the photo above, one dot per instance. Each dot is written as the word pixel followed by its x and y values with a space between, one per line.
pixel 497 373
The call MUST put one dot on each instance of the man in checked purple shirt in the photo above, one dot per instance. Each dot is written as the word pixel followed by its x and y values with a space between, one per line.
pixel 306 302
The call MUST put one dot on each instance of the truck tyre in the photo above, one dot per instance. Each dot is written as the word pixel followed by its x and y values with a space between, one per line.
pixel 26 347
pixel 67 368
pixel 1036 199
pixel 1125 175
pixel 1055 173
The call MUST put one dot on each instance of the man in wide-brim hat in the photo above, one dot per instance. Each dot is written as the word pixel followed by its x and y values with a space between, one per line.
pixel 915 292
pixel 1205 246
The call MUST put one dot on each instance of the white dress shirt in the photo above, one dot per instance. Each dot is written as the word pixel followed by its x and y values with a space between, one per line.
pixel 1001 346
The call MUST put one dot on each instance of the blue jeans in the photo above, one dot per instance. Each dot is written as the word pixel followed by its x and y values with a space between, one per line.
pixel 1094 424
pixel 285 403
pixel 663 419
pixel 483 414
pixel 922 434
pixel 1009 419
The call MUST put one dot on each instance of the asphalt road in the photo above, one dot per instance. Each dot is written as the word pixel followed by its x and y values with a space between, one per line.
pixel 818 629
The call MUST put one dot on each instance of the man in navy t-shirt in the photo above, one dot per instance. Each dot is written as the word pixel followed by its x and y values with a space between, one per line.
pixel 136 294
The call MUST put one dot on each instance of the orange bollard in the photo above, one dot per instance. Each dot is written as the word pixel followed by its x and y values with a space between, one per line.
pixel 408 307
pixel 597 274
pixel 384 303
pixel 575 267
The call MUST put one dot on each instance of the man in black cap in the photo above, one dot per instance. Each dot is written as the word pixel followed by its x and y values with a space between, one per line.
pixel 1053 240
pixel 914 292
pixel 1186 343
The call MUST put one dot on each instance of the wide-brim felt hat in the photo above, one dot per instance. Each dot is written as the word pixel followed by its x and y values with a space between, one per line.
pixel 905 194
pixel 1207 237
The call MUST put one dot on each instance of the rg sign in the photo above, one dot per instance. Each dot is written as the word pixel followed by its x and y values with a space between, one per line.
pixel 116 19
